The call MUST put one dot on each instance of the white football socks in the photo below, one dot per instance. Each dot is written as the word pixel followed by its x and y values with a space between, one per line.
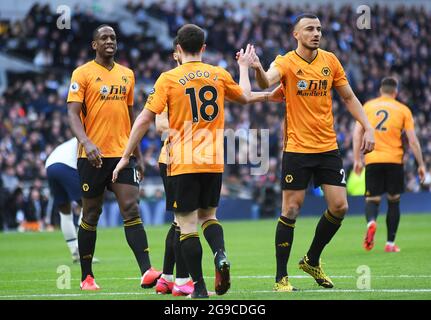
pixel 80 218
pixel 69 231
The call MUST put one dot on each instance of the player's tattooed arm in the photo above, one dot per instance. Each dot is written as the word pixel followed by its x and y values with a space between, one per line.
pixel 276 95
pixel 91 150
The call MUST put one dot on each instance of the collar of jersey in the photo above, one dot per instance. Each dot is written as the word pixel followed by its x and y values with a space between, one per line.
pixel 94 60
pixel 194 61
pixel 306 60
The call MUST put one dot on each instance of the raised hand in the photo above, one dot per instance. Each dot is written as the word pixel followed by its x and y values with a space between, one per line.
pixel 255 59
pixel 256 62
pixel 246 58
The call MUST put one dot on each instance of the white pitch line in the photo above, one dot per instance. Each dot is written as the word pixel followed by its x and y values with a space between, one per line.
pixel 90 294
pixel 234 277
pixel 345 290
pixel 325 291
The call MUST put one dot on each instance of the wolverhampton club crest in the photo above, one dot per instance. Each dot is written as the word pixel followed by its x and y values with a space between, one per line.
pixel 326 71
pixel 289 178
pixel 85 187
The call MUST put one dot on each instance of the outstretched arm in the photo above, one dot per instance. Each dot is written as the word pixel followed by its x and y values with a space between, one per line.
pixel 139 129
pixel 137 150
pixel 276 95
pixel 245 60
pixel 264 79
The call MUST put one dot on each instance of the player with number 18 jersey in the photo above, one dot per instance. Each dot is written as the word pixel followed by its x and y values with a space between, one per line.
pixel 195 94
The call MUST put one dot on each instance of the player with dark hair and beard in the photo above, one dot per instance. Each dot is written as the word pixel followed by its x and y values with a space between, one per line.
pixel 308 74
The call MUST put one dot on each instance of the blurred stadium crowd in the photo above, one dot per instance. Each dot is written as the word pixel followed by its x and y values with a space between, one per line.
pixel 33 109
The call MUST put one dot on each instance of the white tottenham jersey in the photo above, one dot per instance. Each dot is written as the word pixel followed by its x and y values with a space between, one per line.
pixel 66 153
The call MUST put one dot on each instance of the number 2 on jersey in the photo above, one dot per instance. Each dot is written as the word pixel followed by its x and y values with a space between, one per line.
pixel 380 125
pixel 204 103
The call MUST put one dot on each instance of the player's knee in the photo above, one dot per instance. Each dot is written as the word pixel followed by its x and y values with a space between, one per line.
pixel 202 220
pixel 375 199
pixel 339 209
pixel 188 222
pixel 92 215
pixel 206 215
pixel 130 210
pixel 393 197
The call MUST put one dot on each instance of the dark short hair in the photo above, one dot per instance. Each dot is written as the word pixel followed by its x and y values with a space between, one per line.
pixel 389 85
pixel 191 38
pixel 304 16
pixel 97 30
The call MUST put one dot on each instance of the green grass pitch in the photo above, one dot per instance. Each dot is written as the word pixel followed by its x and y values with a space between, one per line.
pixel 29 263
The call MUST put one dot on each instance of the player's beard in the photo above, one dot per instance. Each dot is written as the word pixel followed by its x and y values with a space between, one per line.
pixel 311 47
